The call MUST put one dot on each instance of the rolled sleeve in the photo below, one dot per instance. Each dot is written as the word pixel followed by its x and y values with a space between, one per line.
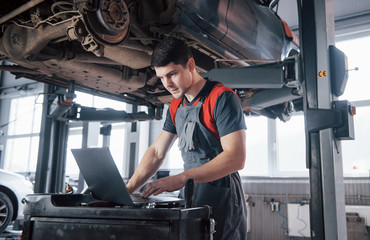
pixel 229 114
pixel 168 125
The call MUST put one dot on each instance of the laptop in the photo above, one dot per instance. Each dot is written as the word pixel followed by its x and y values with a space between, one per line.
pixel 105 182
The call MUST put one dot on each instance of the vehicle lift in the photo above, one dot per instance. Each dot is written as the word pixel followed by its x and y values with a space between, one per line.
pixel 324 158
pixel 321 71
pixel 318 75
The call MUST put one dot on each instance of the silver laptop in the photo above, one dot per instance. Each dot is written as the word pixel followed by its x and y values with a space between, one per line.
pixel 105 182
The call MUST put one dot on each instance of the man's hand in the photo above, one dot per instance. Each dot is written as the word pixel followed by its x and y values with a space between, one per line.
pixel 151 161
pixel 168 184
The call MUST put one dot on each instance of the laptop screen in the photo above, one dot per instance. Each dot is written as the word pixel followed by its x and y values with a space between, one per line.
pixel 101 175
pixel 104 180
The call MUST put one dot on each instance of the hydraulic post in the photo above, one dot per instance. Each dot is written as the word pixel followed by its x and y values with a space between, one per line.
pixel 324 160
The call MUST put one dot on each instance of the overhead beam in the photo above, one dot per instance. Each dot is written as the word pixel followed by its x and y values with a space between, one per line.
pixel 260 76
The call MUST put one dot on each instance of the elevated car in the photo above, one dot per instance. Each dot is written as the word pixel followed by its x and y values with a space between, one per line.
pixel 105 46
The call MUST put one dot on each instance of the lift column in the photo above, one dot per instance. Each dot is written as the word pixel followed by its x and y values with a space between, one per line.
pixel 324 160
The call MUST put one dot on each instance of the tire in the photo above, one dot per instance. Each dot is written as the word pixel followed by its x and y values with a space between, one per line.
pixel 6 211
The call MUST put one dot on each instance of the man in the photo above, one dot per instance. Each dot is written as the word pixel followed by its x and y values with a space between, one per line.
pixel 208 119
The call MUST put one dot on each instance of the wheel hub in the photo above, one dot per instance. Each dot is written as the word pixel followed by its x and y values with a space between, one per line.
pixel 110 22
pixel 3 212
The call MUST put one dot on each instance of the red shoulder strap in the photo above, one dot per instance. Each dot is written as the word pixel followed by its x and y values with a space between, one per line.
pixel 175 103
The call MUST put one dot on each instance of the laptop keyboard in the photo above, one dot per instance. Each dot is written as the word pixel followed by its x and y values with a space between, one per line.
pixel 139 199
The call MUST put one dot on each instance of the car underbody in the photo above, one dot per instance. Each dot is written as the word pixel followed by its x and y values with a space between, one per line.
pixel 105 46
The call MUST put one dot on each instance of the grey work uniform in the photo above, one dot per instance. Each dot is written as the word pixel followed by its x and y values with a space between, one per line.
pixel 224 195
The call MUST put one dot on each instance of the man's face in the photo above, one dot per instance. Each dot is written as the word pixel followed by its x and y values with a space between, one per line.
pixel 175 78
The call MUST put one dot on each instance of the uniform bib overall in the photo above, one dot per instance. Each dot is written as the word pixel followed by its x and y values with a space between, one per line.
pixel 224 195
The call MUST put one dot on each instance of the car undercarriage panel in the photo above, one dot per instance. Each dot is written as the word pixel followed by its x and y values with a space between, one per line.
pixel 105 46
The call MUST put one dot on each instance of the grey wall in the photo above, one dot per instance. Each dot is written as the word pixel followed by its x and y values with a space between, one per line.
pixel 268 225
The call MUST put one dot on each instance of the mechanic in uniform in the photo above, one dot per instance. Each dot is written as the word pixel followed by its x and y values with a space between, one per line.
pixel 208 119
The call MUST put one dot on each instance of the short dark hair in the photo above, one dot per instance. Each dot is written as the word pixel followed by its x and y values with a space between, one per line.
pixel 169 50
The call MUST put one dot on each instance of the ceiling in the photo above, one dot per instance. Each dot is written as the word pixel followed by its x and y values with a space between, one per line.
pixel 351 17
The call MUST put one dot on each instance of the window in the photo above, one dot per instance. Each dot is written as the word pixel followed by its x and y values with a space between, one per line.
pixel 174 157
pixel 356 153
pixel 74 141
pixel 291 150
pixel 25 160
pixel 358 84
pixel 275 148
pixel 23 133
pixel 256 163
pixel 117 145
pixel 117 137
pixel 25 116
pixel 88 100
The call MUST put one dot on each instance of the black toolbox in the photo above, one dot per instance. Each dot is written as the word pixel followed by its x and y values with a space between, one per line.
pixel 80 216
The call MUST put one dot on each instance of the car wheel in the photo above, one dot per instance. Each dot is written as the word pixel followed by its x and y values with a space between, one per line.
pixel 6 211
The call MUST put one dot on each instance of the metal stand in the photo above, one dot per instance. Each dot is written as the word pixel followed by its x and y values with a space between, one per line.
pixel 327 208
pixel 42 167
pixel 52 149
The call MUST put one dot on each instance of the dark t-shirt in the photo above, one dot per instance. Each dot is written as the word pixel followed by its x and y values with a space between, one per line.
pixel 221 112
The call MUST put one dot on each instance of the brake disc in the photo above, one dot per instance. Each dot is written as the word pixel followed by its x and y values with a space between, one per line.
pixel 109 23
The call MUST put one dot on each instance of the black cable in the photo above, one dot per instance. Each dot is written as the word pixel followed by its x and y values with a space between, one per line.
pixel 285 220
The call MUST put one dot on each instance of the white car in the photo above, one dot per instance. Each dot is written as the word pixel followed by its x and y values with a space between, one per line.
pixel 13 188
